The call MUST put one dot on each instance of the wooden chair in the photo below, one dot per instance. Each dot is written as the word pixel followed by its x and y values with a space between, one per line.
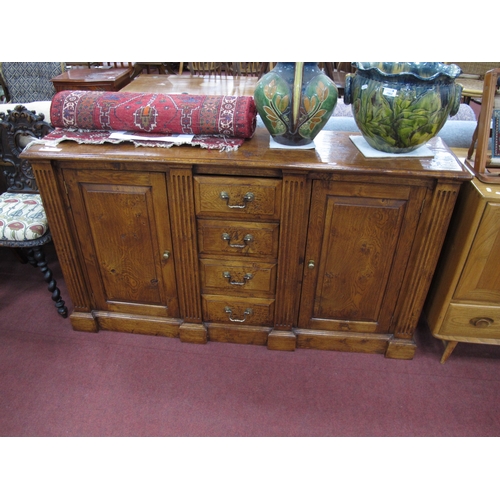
pixel 161 68
pixel 250 68
pixel 81 65
pixel 472 78
pixel 88 65
pixel 485 171
pixel 337 72
pixel 204 68
pixel 23 224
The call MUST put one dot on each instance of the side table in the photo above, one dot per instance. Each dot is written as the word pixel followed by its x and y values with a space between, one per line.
pixel 97 79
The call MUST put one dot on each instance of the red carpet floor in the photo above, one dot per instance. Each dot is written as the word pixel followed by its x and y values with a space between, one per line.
pixel 58 382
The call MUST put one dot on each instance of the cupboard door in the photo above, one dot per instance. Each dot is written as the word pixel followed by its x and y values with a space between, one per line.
pixel 122 224
pixel 358 245
pixel 480 280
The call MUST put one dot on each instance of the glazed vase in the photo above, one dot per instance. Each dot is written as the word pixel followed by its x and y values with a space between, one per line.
pixel 399 106
pixel 295 100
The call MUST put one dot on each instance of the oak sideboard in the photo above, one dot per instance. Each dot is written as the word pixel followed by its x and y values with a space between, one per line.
pixel 320 249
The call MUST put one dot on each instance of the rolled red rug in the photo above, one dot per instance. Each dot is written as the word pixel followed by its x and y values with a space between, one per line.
pixel 230 116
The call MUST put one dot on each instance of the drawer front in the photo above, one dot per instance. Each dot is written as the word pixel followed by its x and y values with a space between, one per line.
pixel 238 238
pixel 237 198
pixel 219 276
pixel 474 321
pixel 238 311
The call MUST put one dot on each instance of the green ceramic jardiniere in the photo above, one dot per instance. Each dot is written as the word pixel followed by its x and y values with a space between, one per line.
pixel 399 106
pixel 295 100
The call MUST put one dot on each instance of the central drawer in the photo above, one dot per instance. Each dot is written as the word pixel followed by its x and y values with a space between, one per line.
pixel 258 239
pixel 238 225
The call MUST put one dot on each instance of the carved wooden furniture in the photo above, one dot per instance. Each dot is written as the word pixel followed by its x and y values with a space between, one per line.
pixel 97 79
pixel 464 301
pixel 23 223
pixel 290 249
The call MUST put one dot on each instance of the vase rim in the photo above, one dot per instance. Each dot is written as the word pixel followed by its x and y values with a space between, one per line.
pixel 420 70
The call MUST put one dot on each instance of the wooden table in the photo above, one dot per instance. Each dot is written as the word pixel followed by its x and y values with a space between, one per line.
pixel 98 79
pixel 178 84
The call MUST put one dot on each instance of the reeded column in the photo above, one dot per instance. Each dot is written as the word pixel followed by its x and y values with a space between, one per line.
pixel 293 226
pixel 48 185
pixel 183 222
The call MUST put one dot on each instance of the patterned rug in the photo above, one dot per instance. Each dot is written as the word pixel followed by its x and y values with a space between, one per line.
pixel 214 122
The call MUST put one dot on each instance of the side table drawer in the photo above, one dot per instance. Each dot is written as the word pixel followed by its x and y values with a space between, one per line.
pixel 222 276
pixel 238 238
pixel 237 198
pixel 463 320
pixel 238 311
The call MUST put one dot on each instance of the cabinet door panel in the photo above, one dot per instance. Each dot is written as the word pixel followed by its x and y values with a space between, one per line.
pixel 122 223
pixel 480 279
pixel 358 246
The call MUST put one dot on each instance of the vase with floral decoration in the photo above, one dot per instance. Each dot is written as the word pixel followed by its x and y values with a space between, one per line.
pixel 294 101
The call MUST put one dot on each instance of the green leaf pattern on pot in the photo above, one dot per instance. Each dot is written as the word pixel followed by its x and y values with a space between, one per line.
pixel 275 113
pixel 397 121
pixel 318 101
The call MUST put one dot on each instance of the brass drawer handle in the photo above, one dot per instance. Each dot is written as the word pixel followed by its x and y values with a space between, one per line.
pixel 481 322
pixel 247 239
pixel 246 278
pixel 246 199
pixel 229 311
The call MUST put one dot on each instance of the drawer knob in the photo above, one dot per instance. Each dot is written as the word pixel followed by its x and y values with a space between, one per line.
pixel 247 277
pixel 229 312
pixel 246 199
pixel 166 254
pixel 247 239
pixel 481 322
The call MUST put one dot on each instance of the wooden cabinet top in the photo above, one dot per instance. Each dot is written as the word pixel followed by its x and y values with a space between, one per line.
pixel 334 153
pixel 91 75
